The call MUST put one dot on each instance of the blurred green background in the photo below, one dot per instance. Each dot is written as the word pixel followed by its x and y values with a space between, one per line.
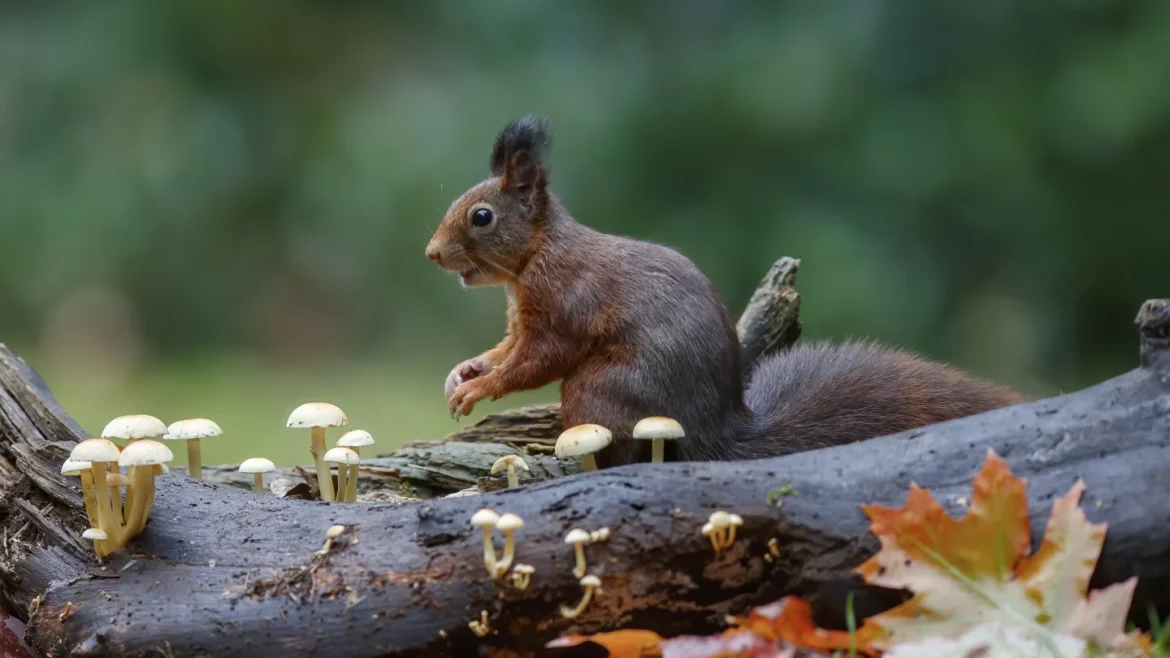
pixel 218 208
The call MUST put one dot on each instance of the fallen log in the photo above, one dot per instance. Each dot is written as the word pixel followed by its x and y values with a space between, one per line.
pixel 219 571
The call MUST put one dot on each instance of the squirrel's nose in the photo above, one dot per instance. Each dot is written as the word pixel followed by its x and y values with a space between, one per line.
pixel 434 254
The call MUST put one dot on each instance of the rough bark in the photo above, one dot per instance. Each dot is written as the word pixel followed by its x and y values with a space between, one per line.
pixel 222 572
pixel 771 321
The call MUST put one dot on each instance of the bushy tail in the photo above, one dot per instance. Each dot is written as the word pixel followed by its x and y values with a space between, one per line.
pixel 823 394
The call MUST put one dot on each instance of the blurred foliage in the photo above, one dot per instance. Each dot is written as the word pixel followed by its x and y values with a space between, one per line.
pixel 984 182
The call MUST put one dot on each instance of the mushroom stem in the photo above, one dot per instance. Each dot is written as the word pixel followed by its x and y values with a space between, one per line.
pixel 324 476
pixel 579 570
pixel 143 497
pixel 588 463
pixel 88 496
pixel 194 459
pixel 657 450
pixel 570 613
pixel 342 486
pixel 489 551
pixel 505 562
pixel 513 480
pixel 351 480
pixel 105 512
pixel 258 482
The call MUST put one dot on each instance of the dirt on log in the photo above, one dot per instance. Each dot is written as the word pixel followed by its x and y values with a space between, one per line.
pixel 219 571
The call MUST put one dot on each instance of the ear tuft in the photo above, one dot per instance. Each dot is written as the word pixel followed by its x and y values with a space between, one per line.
pixel 531 133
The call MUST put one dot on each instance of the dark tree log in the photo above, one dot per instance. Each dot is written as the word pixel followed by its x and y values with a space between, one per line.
pixel 222 572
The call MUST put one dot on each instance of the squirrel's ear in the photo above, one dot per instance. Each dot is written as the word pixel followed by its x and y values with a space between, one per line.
pixel 523 172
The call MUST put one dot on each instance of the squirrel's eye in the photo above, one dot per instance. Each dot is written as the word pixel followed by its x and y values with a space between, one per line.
pixel 481 217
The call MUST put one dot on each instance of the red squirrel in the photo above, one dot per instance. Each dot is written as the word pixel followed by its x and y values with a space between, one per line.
pixel 634 329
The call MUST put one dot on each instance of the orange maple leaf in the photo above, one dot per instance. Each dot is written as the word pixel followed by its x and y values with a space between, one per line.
pixel 630 643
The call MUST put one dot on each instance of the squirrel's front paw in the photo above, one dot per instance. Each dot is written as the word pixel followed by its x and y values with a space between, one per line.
pixel 465 372
pixel 463 400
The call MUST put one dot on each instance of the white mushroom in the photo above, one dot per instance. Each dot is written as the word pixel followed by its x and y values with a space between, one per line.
pixel 733 522
pixel 142 453
pixel 522 576
pixel 344 458
pixel 131 428
pixel 578 538
pixel 257 466
pixel 191 430
pixel 591 583
pixel 510 462
pixel 508 524
pixel 331 534
pixel 582 441
pixel 317 416
pixel 100 453
pixel 658 429
pixel 487 519
pixel 72 468
pixel 354 440
pixel 601 534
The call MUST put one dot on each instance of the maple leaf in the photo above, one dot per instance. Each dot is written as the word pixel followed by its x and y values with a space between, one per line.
pixel 628 643
pixel 976 572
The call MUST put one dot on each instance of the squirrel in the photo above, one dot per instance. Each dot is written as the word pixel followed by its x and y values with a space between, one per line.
pixel 634 329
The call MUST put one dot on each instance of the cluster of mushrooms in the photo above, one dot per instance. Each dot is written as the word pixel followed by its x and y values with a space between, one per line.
pixel 582 442
pixel 344 455
pixel 118 503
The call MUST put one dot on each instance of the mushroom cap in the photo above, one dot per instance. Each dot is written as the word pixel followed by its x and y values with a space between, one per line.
pixel 145 453
pixel 503 462
pixel 590 581
pixel 192 428
pixel 317 414
pixel 134 426
pixel 658 427
pixel 257 465
pixel 71 467
pixel 484 518
pixel 509 521
pixel 95 450
pixel 335 531
pixel 708 529
pixel 577 536
pixel 342 456
pixel 720 519
pixel 582 440
pixel 355 439
pixel 117 480
pixel 95 534
pixel 735 520
pixel 161 469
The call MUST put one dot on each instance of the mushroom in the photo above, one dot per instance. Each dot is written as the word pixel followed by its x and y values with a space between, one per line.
pixel 344 458
pixel 590 583
pixel 578 538
pixel 331 534
pixel 317 416
pixel 708 531
pixel 487 519
pixel 257 466
pixel 100 453
pixel 601 534
pixel 522 576
pixel 131 428
pixel 354 440
pixel 140 496
pixel 658 429
pixel 774 547
pixel 716 528
pixel 72 468
pixel 733 522
pixel 510 462
pixel 582 441
pixel 191 430
pixel 508 524
pixel 481 628
pixel 94 534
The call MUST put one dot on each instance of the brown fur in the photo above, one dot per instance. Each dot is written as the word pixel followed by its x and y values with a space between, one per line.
pixel 633 329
